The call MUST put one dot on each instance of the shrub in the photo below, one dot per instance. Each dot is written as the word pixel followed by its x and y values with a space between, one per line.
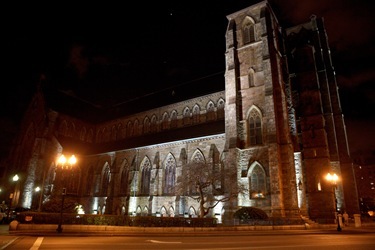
pixel 250 213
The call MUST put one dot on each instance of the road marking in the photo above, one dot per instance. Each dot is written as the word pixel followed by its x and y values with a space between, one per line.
pixel 6 245
pixel 165 242
pixel 37 243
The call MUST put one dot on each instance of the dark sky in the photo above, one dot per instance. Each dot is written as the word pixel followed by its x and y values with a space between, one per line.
pixel 92 49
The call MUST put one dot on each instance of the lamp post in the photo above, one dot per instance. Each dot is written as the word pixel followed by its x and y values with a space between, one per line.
pixel 37 190
pixel 64 164
pixel 12 195
pixel 333 178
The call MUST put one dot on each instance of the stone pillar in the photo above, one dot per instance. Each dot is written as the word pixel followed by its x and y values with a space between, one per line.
pixel 340 220
pixel 357 220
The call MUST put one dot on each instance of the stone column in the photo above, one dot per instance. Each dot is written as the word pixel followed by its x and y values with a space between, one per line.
pixel 357 220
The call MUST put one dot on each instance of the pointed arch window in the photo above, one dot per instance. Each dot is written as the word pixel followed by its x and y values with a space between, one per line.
pixel 196 113
pixel 106 179
pixel 169 174
pixel 164 123
pixel 113 133
pixel 129 129
pixel 146 125
pixel 255 127
pixel 220 109
pixel 82 134
pixel 210 111
pixel 186 119
pixel 174 119
pixel 136 127
pixel 90 136
pixel 251 78
pixel 146 175
pixel 248 31
pixel 124 182
pixel 63 128
pixel 121 132
pixel 197 158
pixel 257 181
pixel 153 127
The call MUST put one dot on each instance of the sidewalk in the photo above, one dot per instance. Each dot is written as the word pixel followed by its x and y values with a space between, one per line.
pixel 87 230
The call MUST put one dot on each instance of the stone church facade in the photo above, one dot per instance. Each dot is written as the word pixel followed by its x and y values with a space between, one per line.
pixel 278 123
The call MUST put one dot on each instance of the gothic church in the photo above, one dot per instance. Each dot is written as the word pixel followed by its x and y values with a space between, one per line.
pixel 278 123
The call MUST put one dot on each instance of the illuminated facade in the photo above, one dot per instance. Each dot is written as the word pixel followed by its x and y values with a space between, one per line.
pixel 278 122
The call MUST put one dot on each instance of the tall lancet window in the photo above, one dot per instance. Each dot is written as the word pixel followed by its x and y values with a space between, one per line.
pixel 248 30
pixel 106 179
pixel 255 127
pixel 146 175
pixel 169 174
pixel 257 181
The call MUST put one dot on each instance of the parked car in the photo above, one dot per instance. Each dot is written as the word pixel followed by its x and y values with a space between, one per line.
pixel 16 211
pixel 3 215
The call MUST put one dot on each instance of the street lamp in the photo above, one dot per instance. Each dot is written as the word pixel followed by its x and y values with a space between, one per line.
pixel 333 178
pixel 64 164
pixel 37 190
pixel 12 195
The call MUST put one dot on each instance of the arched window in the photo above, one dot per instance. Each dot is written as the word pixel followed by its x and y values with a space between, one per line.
pixel 113 133
pixel 106 179
pixel 145 211
pixel 174 119
pixel 146 125
pixel 153 126
pixel 164 122
pixel 146 175
pixel 257 181
pixel 90 136
pixel 106 135
pixel 163 212
pixel 255 126
pixel 124 182
pixel 210 111
pixel 196 113
pixel 169 174
pixel 192 212
pixel 251 78
pixel 197 158
pixel 82 134
pixel 63 128
pixel 99 136
pixel 136 127
pixel 186 120
pixel 129 129
pixel 220 109
pixel 71 129
pixel 248 30
pixel 121 131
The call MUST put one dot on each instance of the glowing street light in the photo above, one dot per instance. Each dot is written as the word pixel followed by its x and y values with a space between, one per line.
pixel 11 196
pixel 333 178
pixel 64 164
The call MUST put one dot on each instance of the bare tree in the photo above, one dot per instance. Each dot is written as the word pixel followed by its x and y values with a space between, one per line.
pixel 209 185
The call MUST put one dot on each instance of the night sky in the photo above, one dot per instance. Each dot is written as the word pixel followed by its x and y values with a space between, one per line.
pixel 106 53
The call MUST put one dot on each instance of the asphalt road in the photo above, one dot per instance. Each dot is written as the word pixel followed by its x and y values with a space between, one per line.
pixel 348 239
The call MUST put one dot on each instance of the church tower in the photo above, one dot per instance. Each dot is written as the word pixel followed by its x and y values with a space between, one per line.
pixel 258 137
pixel 284 126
